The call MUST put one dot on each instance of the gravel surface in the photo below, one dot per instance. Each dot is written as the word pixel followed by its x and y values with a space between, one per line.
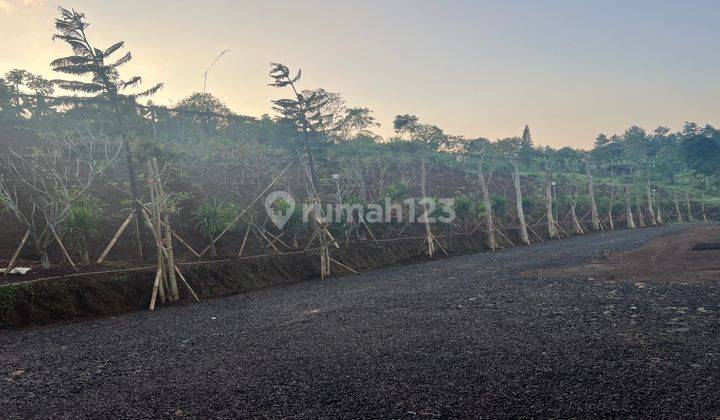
pixel 458 337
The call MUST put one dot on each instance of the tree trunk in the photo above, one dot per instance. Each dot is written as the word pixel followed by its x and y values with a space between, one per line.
pixel 423 191
pixel 552 230
pixel 41 250
pixel 611 204
pixel 172 279
pixel 702 208
pixel 593 205
pixel 84 254
pixel 641 219
pixel 628 208
pixel 691 218
pixel 488 207
pixel 677 209
pixel 651 210
pixel 576 222
pixel 519 201
pixel 44 260
pixel 135 195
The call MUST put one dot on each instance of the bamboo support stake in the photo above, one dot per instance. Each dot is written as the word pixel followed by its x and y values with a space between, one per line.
pixel 242 247
pixel 185 282
pixel 235 220
pixel 185 244
pixel 691 218
pixel 156 286
pixel 165 219
pixel 344 266
pixel 312 238
pixel 155 227
pixel 62 248
pixel 17 252
pixel 535 233
pixel 677 208
pixel 562 229
pixel 115 238
pixel 506 238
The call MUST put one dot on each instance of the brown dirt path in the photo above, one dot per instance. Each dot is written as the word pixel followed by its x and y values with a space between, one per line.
pixel 665 259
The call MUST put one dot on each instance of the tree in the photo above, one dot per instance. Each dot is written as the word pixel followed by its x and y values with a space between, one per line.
pixel 105 83
pixel 17 78
pixel 527 142
pixel 205 111
pixel 634 142
pixel 356 122
pixel 427 135
pixel 44 187
pixel 700 154
pixel 482 150
pixel 601 141
pixel 512 150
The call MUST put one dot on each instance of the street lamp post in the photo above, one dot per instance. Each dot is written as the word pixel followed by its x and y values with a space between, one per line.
pixel 211 66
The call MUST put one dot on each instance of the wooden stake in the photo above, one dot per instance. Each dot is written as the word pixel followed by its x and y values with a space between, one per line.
pixel 62 248
pixel 156 286
pixel 192 292
pixel 17 253
pixel 506 238
pixel 235 220
pixel 343 266
pixel 535 233
pixel 165 218
pixel 242 247
pixel 115 238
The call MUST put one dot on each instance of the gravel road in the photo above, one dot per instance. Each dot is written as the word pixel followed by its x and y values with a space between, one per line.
pixel 458 337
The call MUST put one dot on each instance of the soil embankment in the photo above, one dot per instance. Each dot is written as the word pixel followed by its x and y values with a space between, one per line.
pixel 102 291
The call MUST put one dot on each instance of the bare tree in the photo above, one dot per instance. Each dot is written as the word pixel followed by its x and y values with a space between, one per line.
pixel 591 190
pixel 628 208
pixel 40 188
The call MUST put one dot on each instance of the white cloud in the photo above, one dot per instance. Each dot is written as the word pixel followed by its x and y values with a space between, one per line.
pixel 12 5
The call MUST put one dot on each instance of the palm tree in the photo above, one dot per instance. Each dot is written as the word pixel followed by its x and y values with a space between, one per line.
pixel 105 84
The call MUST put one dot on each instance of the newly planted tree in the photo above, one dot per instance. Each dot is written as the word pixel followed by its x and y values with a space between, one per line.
pixel 81 222
pixel 105 85
pixel 512 149
pixel 480 148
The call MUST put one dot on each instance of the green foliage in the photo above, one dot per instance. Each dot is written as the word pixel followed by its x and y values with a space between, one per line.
pixel 398 190
pixel 211 217
pixel 294 224
pixel 466 209
pixel 499 205
pixel 82 220
pixel 93 62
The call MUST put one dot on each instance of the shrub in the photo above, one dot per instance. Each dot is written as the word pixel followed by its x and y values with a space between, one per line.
pixel 83 220
pixel 211 217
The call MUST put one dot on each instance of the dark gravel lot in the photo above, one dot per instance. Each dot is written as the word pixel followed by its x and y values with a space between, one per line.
pixel 459 337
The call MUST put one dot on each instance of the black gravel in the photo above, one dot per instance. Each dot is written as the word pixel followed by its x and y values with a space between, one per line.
pixel 459 337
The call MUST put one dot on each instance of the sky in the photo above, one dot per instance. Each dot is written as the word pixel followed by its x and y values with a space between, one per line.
pixel 568 69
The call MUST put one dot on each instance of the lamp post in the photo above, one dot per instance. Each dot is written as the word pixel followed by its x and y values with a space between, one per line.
pixel 211 66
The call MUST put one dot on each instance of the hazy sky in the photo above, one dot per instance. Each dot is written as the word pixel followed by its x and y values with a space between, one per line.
pixel 569 69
